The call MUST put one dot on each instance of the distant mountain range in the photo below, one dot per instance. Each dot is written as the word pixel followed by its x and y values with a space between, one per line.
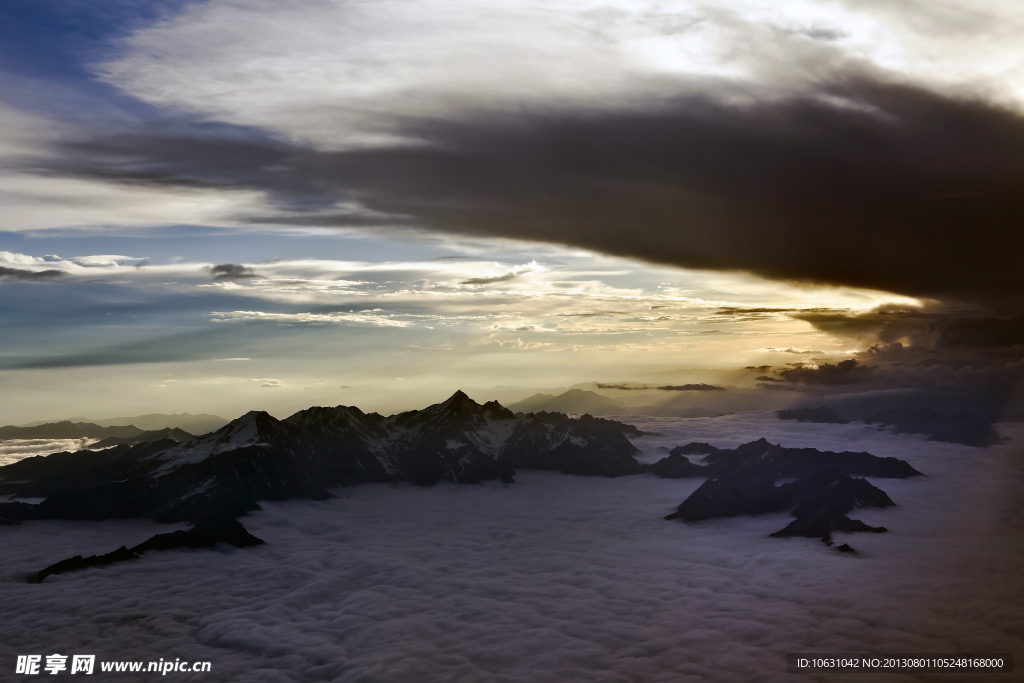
pixel 664 401
pixel 260 457
pixel 177 435
pixel 109 436
pixel 578 401
pixel 201 423
pixel 822 488
pixel 212 479
pixel 68 430
pixel 959 427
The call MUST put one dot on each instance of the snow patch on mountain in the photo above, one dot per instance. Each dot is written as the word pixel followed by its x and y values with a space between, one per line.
pixel 554 578
pixel 239 433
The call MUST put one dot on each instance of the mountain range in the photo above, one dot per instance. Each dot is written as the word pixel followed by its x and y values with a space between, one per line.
pixel 260 457
pixel 213 479
pixel 68 430
pixel 577 401
pixel 819 487
pixel 200 423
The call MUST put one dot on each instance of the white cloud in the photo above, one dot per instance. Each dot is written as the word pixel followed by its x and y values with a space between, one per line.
pixel 553 578
pixel 32 203
pixel 13 450
pixel 339 73
pixel 381 319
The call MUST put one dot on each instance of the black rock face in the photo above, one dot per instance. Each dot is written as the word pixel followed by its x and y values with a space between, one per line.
pixel 824 501
pixel 677 466
pixel 694 448
pixel 44 475
pixel 222 475
pixel 790 463
pixel 122 554
pixel 729 497
pixel 824 492
pixel 819 502
pixel 205 533
pixel 13 513
pixel 258 457
pixel 587 445
pixel 821 415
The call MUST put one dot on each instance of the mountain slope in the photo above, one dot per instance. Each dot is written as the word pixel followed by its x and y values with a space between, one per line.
pixel 528 404
pixel 68 430
pixel 258 457
pixel 178 435
pixel 200 423
pixel 577 401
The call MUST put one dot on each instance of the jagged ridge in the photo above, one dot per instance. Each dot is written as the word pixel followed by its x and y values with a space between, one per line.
pixel 743 482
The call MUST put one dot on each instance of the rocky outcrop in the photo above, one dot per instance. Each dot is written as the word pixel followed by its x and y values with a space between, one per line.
pixel 742 481
pixel 819 502
pixel 677 466
pixel 791 463
pixel 205 533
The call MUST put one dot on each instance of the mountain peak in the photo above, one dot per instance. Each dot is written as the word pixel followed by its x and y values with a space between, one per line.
pixel 252 415
pixel 460 400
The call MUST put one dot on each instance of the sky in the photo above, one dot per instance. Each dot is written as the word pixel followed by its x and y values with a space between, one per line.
pixel 223 205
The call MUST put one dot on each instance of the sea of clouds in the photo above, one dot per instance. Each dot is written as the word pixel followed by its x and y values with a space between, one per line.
pixel 554 578
pixel 13 450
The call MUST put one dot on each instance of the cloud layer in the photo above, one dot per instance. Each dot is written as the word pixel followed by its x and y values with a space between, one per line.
pixel 861 183
pixel 551 579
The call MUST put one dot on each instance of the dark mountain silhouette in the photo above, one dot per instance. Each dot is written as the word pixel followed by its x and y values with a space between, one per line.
pixel 529 403
pixel 777 462
pixel 222 475
pixel 205 533
pixel 577 401
pixel 68 430
pixel 200 423
pixel 177 435
pixel 213 479
pixel 743 482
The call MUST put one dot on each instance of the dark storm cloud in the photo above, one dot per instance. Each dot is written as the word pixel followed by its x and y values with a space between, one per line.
pixel 232 271
pixel 927 337
pixel 885 324
pixel 668 387
pixel 742 314
pixel 490 280
pixel 845 372
pixel 19 274
pixel 861 183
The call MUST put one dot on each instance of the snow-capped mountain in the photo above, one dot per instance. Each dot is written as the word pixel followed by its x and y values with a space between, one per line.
pixel 257 456
pixel 213 479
